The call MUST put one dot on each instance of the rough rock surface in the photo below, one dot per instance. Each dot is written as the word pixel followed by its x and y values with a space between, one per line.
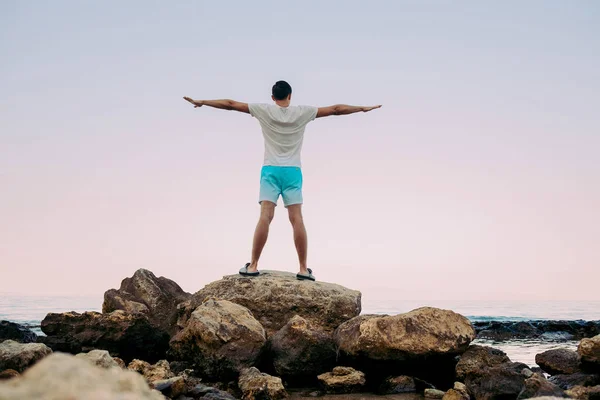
pixel 18 333
pixel 503 381
pixel 144 292
pixel 275 297
pixel 479 357
pixel 568 381
pixel 559 361
pixel 300 349
pixel 584 393
pixel 159 371
pixel 8 374
pixel 100 358
pixel 589 350
pixel 221 338
pixel 201 391
pixel 172 387
pixel 538 386
pixel 63 376
pixel 256 385
pixel 433 394
pixel 453 394
pixel 566 330
pixel 20 356
pixel 398 384
pixel 124 335
pixel 342 380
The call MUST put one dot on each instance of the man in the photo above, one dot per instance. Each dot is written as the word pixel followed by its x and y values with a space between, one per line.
pixel 283 130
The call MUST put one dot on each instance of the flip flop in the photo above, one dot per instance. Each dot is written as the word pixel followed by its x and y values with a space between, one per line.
pixel 304 277
pixel 244 271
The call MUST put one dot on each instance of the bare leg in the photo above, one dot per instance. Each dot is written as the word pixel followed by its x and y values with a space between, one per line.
pixel 261 233
pixel 300 239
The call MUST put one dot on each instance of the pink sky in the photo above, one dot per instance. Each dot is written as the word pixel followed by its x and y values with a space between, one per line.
pixel 478 179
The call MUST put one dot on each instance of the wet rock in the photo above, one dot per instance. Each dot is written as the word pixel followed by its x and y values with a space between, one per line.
pixel 18 333
pixel 127 336
pixel 157 372
pixel 275 297
pixel 8 374
pixel 477 358
pixel 201 391
pixel 172 387
pixel 538 386
pixel 302 351
pixel 398 384
pixel 257 385
pixel 433 394
pixel 100 358
pixel 578 379
pixel 559 361
pixel 551 330
pixel 220 339
pixel 342 380
pixel 503 381
pixel 157 298
pixel 62 376
pixel 20 356
pixel 584 393
pixel 589 350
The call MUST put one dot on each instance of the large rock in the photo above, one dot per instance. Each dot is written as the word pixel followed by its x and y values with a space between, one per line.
pixel 18 333
pixel 589 350
pixel 342 380
pixel 504 381
pixel 100 358
pixel 62 376
pixel 568 381
pixel 124 335
pixel 201 391
pixel 221 338
pixel 538 386
pixel 477 358
pixel 20 356
pixel 275 297
pixel 398 384
pixel 256 385
pixel 559 361
pixel 584 393
pixel 145 293
pixel 157 372
pixel 301 350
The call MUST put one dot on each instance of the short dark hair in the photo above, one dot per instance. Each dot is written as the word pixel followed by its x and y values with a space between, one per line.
pixel 281 90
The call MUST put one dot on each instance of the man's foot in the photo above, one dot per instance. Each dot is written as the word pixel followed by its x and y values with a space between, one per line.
pixel 306 276
pixel 246 270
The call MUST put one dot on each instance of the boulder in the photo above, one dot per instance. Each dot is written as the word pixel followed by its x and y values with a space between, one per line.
pixel 159 371
pixel 503 381
pixel 8 374
pixel 20 356
pixel 62 376
pixel 433 394
pixel 342 380
pixel 589 350
pixel 559 361
pixel 477 358
pixel 538 386
pixel 398 384
pixel 568 381
pixel 124 335
pixel 301 350
pixel 584 393
pixel 100 358
pixel 201 391
pixel 453 394
pixel 18 333
pixel 145 293
pixel 172 387
pixel 275 297
pixel 256 385
pixel 221 338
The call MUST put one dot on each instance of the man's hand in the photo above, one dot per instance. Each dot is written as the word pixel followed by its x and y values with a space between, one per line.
pixel 367 109
pixel 196 103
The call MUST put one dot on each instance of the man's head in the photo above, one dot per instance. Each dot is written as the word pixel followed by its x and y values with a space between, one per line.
pixel 281 91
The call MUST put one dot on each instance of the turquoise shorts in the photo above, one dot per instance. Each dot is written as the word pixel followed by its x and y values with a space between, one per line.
pixel 284 181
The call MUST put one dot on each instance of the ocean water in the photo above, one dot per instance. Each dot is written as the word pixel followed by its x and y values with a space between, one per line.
pixel 31 309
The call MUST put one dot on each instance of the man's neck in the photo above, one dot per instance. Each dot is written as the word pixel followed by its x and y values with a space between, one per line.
pixel 282 103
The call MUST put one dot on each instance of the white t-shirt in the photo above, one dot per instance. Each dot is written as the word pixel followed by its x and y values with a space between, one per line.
pixel 283 130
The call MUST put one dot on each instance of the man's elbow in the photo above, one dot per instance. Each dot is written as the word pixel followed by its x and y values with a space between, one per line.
pixel 230 105
pixel 337 110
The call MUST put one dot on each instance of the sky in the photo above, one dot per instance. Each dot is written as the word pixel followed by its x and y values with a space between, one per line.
pixel 478 179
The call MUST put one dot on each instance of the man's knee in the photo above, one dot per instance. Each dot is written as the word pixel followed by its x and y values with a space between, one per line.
pixel 267 211
pixel 295 217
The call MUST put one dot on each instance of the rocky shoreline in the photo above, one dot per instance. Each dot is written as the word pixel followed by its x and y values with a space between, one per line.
pixel 259 338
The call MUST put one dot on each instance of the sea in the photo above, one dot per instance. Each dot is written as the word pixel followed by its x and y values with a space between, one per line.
pixel 29 310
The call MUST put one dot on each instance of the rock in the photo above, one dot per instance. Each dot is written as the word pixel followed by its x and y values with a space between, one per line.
pixel 100 358
pixel 127 336
pixel 221 338
pixel 550 330
pixel 578 379
pixel 20 356
pixel 172 387
pixel 584 393
pixel 62 376
pixel 589 350
pixel 256 385
pixel 433 394
pixel 18 333
pixel 398 384
pixel 538 386
pixel 301 350
pixel 342 380
pixel 145 293
pixel 8 374
pixel 201 391
pixel 275 297
pixel 559 361
pixel 453 394
pixel 157 372
pixel 120 362
pixel 503 381
pixel 461 387
pixel 477 358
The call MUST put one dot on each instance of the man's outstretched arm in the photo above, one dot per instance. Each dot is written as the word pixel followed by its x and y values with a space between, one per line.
pixel 343 109
pixel 225 104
